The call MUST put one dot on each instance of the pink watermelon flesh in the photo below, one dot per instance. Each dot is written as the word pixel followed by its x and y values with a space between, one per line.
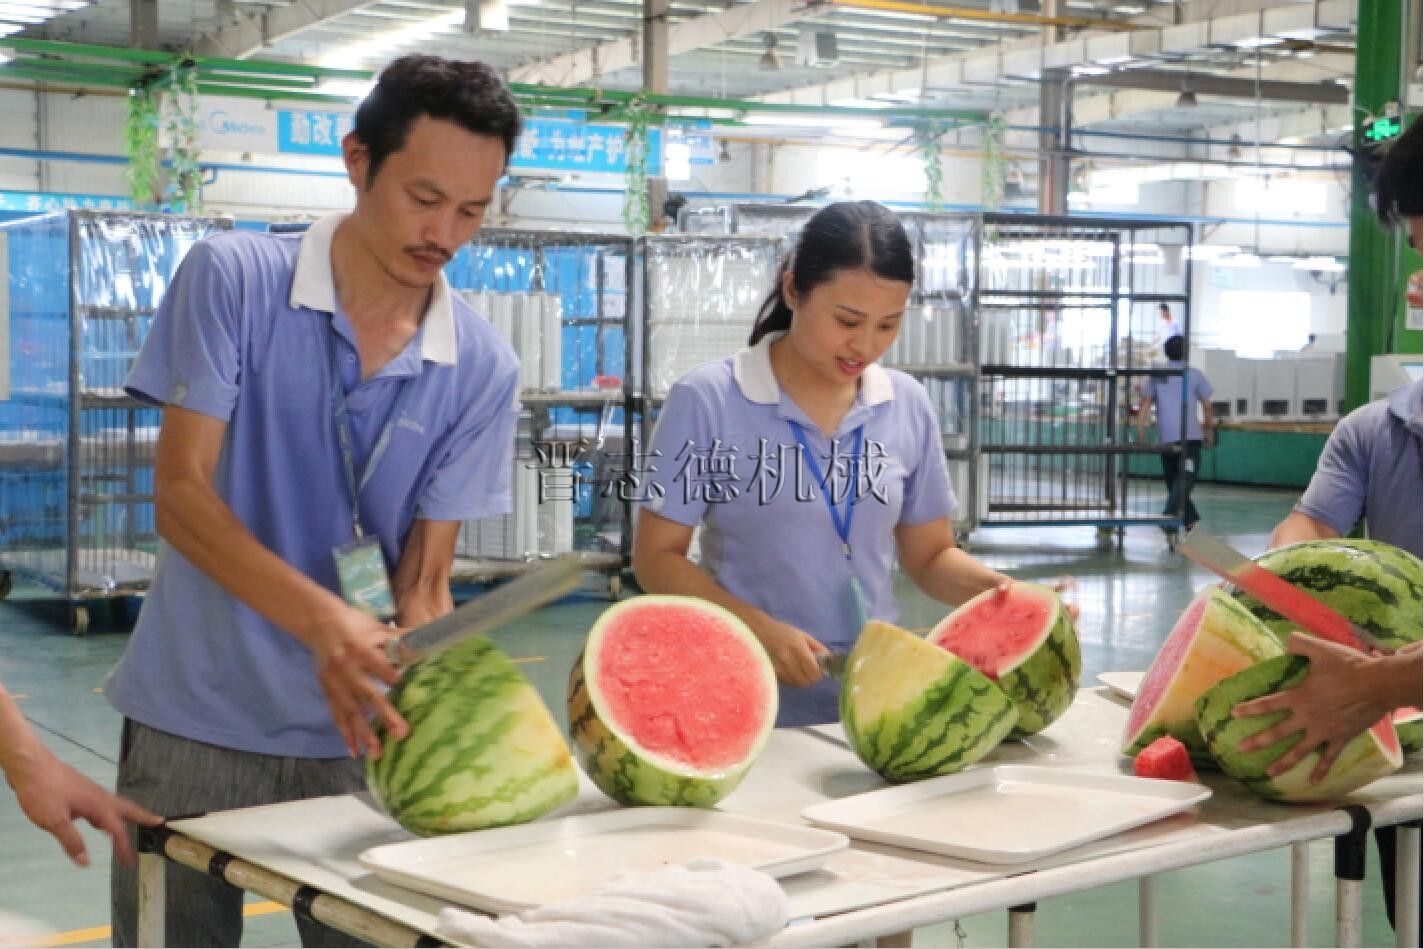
pixel 1388 737
pixel 1401 714
pixel 1166 759
pixel 680 684
pixel 995 634
pixel 1164 667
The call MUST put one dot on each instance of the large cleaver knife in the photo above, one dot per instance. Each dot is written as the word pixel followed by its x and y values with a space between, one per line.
pixel 1284 597
pixel 539 585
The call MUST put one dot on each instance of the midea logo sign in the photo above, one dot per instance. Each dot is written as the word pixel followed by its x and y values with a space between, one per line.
pixel 221 123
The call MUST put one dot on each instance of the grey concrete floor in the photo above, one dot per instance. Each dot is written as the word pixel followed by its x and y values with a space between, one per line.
pixel 1129 598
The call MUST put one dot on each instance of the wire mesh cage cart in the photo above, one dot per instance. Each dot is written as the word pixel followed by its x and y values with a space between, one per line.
pixel 1068 329
pixel 562 300
pixel 76 452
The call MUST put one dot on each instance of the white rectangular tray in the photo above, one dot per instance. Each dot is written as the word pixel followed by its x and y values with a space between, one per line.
pixel 510 869
pixel 1006 814
pixel 1124 684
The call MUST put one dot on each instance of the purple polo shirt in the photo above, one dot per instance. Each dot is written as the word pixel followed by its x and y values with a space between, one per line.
pixel 1167 392
pixel 726 458
pixel 1370 468
pixel 242 335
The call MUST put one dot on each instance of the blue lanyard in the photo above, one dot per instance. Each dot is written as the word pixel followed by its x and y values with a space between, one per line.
pixel 343 434
pixel 842 523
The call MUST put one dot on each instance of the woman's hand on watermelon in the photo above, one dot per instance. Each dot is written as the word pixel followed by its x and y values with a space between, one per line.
pixel 1336 701
pixel 793 653
pixel 351 664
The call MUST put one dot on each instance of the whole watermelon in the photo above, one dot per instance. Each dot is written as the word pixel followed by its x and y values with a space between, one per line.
pixel 483 751
pixel 1375 585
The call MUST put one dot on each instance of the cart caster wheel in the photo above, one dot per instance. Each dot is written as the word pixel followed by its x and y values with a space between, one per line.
pixel 79 620
pixel 7 583
pixel 615 586
pixel 1172 539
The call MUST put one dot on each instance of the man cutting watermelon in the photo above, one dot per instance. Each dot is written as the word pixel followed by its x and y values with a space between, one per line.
pixel 1370 472
pixel 330 409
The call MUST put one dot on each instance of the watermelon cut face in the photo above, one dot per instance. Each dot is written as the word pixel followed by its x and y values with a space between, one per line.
pixel 1023 639
pixel 912 710
pixel 483 751
pixel 1409 726
pixel 1372 754
pixel 1375 585
pixel 1215 637
pixel 1166 759
pixel 670 702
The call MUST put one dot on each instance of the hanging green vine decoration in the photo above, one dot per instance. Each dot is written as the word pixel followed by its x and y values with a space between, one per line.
pixel 993 166
pixel 185 185
pixel 636 213
pixel 934 166
pixel 141 145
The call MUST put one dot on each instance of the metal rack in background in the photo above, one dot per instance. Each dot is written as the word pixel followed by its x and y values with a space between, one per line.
pixel 563 301
pixel 76 451
pixel 1067 312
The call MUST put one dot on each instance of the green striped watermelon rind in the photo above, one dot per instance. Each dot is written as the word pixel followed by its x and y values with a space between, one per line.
pixel 1253 641
pixel 483 750
pixel 1375 585
pixel 1045 684
pixel 643 777
pixel 916 741
pixel 1409 726
pixel 1364 759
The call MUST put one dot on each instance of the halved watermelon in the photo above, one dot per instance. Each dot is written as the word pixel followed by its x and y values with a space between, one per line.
pixel 670 702
pixel 1166 759
pixel 1409 726
pixel 1214 638
pixel 913 711
pixel 1372 754
pixel 1023 639
pixel 483 750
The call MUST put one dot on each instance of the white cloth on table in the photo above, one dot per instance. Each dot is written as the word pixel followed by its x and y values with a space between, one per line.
pixel 708 902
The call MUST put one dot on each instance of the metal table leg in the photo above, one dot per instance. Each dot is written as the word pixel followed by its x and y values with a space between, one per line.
pixel 1350 851
pixel 1300 894
pixel 1406 885
pixel 1147 912
pixel 1021 932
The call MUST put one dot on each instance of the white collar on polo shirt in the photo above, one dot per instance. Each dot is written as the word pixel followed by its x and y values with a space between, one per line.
pixel 314 287
pixel 751 367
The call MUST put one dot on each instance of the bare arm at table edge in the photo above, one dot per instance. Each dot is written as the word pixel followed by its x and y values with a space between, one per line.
pixel 346 643
pixel 660 563
pixel 421 584
pixel 53 795
pixel 1297 527
pixel 939 567
pixel 1208 422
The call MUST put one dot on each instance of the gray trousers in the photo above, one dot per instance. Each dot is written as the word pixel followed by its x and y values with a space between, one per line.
pixel 176 777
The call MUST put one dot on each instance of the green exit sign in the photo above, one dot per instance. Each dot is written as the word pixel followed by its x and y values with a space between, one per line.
pixel 1383 129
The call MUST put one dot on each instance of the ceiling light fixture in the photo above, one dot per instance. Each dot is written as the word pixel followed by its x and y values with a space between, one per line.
pixel 1188 97
pixel 770 60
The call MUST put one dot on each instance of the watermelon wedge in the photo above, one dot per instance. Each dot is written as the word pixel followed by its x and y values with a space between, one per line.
pixel 1372 754
pixel 1375 585
pixel 670 702
pixel 1166 759
pixel 912 710
pixel 483 751
pixel 1409 726
pixel 1023 639
pixel 1214 638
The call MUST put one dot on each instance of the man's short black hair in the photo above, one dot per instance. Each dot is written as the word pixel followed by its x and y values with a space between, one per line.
pixel 1397 182
pixel 468 94
pixel 1173 347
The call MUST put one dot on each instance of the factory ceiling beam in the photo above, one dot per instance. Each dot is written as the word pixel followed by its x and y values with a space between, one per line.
pixel 1171 80
pixel 586 65
pixel 1238 24
pixel 978 15
pixel 254 33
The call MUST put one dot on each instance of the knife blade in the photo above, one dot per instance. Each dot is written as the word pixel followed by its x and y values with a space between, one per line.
pixel 832 663
pixel 1285 598
pixel 541 584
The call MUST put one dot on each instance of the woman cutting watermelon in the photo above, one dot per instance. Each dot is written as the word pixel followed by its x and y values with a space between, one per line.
pixel 808 466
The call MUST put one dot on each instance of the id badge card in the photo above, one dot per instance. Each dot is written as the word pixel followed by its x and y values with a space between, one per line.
pixel 365 584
